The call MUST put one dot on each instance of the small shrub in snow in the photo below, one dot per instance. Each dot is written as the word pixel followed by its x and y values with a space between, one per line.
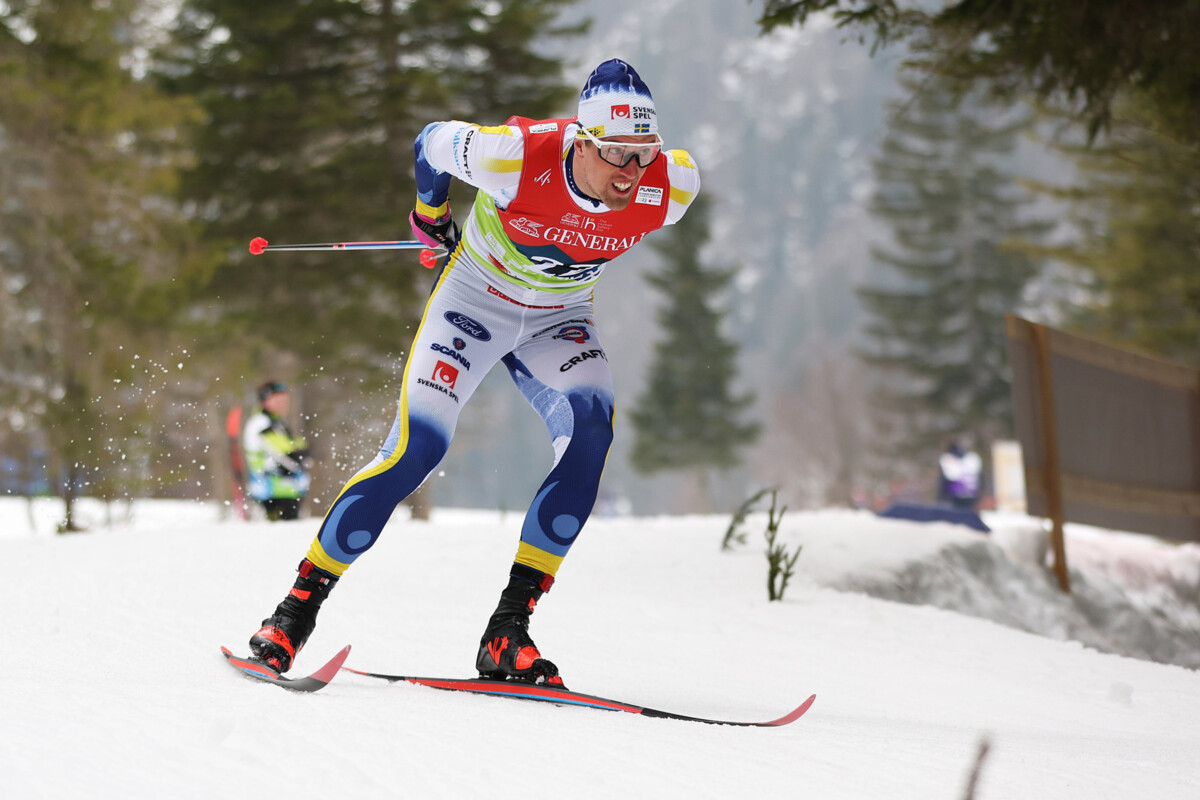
pixel 780 562
pixel 732 534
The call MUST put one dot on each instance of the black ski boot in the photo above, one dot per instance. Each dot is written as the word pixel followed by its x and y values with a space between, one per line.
pixel 506 650
pixel 283 633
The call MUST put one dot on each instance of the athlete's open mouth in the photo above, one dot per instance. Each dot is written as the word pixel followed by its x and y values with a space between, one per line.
pixel 622 186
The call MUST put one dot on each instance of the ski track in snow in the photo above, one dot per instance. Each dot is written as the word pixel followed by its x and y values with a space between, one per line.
pixel 116 686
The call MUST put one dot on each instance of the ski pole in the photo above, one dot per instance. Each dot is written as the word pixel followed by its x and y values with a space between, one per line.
pixel 429 256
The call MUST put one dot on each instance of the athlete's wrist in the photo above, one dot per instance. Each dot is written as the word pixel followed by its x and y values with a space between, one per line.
pixel 434 215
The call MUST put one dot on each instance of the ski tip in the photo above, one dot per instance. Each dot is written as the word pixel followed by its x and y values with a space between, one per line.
pixel 325 673
pixel 330 669
pixel 795 714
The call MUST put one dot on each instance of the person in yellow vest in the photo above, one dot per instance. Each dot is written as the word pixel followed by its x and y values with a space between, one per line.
pixel 557 201
pixel 277 460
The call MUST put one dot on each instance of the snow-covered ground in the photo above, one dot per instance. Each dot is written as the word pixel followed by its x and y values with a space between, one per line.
pixel 115 688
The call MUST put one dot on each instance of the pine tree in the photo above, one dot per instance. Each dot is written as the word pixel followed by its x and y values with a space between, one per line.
pixel 1091 54
pixel 311 112
pixel 1137 209
pixel 945 186
pixel 91 248
pixel 688 416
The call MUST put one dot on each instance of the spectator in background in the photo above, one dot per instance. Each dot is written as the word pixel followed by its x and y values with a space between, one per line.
pixel 960 472
pixel 277 460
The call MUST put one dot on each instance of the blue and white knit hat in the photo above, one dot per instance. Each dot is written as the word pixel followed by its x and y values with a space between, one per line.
pixel 616 102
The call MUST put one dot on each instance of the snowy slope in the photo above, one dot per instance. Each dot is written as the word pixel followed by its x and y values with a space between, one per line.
pixel 114 685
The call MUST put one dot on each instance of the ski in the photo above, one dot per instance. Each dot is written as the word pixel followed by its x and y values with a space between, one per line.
pixel 259 671
pixel 519 690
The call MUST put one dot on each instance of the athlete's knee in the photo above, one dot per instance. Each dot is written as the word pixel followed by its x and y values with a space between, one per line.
pixel 593 426
pixel 595 432
pixel 394 476
pixel 426 447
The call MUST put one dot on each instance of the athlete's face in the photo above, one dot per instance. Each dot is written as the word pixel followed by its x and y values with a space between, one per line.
pixel 277 403
pixel 611 185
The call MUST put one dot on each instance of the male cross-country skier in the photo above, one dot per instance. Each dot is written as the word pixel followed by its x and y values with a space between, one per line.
pixel 558 199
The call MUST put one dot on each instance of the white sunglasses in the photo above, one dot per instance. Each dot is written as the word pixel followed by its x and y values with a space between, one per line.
pixel 621 153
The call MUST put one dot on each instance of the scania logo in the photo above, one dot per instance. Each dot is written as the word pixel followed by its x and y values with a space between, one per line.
pixel 468 326
pixel 441 348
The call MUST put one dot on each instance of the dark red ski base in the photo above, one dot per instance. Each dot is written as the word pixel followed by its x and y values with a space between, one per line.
pixel 256 669
pixel 519 690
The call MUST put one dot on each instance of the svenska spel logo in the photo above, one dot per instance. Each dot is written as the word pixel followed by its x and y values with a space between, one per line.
pixel 445 374
pixel 620 112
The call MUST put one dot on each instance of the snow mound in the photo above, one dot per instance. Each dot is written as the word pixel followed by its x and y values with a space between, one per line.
pixel 1132 596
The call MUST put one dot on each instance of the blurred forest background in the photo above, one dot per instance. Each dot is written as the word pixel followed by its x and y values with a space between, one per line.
pixel 883 183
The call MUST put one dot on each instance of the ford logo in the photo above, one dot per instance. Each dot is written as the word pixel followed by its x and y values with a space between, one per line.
pixel 468 326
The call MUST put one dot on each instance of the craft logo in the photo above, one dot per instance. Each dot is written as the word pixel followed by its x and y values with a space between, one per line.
pixel 544 127
pixel 462 144
pixel 579 359
pixel 597 131
pixel 620 112
pixel 542 179
pixel 445 374
pixel 641 127
pixel 527 226
pixel 573 334
pixel 649 195
pixel 468 326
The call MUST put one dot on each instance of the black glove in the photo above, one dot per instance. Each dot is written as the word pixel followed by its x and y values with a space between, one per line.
pixel 443 233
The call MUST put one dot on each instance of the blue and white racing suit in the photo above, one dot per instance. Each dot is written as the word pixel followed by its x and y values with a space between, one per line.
pixel 517 289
